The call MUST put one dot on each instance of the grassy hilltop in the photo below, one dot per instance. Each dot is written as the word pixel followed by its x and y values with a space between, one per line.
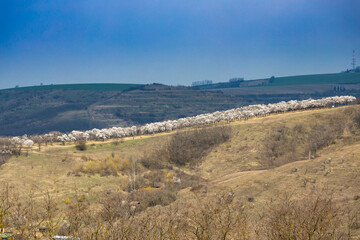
pixel 333 78
pixel 314 79
pixel 258 164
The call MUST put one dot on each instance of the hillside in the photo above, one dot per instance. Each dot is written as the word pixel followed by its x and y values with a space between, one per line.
pixel 85 86
pixel 334 78
pixel 41 109
pixel 262 161
pixel 315 79
pixel 37 111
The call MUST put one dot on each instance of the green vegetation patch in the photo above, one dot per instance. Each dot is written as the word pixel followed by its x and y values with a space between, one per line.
pixel 335 78
pixel 330 78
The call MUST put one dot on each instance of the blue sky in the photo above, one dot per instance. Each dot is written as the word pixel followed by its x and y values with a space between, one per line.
pixel 173 41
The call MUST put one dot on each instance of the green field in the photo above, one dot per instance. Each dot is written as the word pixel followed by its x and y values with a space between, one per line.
pixel 85 86
pixel 314 79
pixel 334 78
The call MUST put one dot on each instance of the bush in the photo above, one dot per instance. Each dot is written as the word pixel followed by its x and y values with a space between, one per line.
pixel 281 145
pixel 153 197
pixel 313 217
pixel 187 147
pixel 110 166
pixel 4 158
pixel 325 133
pixel 356 117
pixel 155 178
pixel 219 218
pixel 190 146
pixel 81 145
pixel 113 207
pixel 156 160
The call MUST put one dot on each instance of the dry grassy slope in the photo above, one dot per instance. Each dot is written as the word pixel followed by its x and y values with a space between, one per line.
pixel 241 152
pixel 232 165
pixel 266 186
pixel 343 177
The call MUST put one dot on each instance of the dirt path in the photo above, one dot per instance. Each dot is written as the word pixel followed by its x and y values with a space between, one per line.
pixel 233 176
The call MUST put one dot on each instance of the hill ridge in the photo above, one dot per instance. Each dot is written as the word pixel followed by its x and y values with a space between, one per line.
pixel 169 125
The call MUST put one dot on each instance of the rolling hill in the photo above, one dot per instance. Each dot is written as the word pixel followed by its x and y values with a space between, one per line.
pixel 241 166
pixel 88 86
pixel 315 79
pixel 334 78
pixel 41 109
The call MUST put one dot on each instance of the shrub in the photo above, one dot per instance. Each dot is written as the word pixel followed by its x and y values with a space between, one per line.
pixel 155 160
pixel 187 147
pixel 190 146
pixel 113 207
pixel 313 217
pixel 4 158
pixel 110 166
pixel 281 145
pixel 325 133
pixel 219 218
pixel 153 197
pixel 81 145
pixel 155 177
pixel 356 117
pixel 117 142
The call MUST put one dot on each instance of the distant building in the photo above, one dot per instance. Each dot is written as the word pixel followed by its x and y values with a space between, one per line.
pixel 200 83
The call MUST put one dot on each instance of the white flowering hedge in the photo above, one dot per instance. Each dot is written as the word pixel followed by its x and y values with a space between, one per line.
pixel 5 152
pixel 202 119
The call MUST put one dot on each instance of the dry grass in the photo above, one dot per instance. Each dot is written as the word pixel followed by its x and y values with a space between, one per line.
pixel 234 166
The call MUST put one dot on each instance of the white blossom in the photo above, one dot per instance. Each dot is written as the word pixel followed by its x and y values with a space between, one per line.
pixel 201 119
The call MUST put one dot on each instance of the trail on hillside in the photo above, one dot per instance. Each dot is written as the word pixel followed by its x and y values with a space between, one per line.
pixel 234 176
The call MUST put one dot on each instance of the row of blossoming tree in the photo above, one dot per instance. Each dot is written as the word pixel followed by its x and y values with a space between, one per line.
pixel 169 125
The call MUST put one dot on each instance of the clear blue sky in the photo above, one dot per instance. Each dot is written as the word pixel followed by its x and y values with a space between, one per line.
pixel 173 41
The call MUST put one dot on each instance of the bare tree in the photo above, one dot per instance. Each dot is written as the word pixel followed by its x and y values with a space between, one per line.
pixel 313 217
